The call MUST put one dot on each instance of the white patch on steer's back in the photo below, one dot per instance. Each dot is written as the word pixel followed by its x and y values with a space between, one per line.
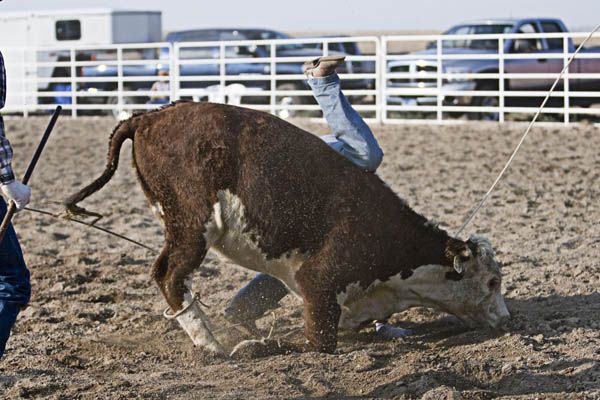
pixel 382 299
pixel 227 232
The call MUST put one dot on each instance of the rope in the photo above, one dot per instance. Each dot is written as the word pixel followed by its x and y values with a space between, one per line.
pixel 485 197
pixel 196 299
pixel 105 230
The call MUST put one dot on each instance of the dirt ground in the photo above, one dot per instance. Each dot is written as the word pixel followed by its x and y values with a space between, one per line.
pixel 95 328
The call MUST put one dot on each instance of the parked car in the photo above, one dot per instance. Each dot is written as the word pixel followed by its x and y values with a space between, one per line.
pixel 490 46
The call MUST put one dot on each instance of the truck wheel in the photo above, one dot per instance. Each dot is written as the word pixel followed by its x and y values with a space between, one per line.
pixel 485 101
pixel 282 100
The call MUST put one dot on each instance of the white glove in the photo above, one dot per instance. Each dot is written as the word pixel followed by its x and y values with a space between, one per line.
pixel 17 192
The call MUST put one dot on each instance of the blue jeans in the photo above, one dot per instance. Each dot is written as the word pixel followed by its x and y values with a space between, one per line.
pixel 352 138
pixel 15 289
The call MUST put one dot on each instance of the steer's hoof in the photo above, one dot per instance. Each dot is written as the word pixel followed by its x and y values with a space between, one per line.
pixel 249 349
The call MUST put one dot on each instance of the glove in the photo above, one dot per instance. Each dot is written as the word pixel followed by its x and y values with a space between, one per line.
pixel 17 192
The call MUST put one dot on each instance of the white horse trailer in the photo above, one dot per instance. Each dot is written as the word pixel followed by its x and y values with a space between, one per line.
pixel 27 39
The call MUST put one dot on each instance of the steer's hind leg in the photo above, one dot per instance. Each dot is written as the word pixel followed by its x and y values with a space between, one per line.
pixel 172 272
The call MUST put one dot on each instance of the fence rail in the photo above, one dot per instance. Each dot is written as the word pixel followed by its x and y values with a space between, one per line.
pixel 453 78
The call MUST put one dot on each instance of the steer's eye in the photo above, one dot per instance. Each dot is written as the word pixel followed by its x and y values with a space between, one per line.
pixel 493 283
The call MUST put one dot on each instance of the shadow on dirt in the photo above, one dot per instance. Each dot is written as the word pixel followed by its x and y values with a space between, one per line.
pixel 551 380
pixel 547 319
pixel 552 316
pixel 540 323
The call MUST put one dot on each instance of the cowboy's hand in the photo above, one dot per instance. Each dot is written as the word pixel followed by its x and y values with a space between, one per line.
pixel 17 192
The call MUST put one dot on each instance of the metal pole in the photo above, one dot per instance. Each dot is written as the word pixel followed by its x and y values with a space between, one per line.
pixel 376 87
pixel 382 80
pixel 36 156
pixel 566 83
pixel 73 73
pixel 120 86
pixel 501 86
pixel 439 102
pixel 273 81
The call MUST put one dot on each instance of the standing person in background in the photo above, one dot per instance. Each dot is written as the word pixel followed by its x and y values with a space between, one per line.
pixel 351 138
pixel 15 289
pixel 160 86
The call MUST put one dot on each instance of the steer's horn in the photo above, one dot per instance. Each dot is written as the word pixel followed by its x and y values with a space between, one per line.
pixel 458 252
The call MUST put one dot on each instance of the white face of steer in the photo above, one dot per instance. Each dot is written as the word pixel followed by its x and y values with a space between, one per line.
pixel 475 298
pixel 471 291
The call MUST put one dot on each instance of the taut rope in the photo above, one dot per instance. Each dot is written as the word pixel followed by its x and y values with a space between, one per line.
pixel 485 197
pixel 105 230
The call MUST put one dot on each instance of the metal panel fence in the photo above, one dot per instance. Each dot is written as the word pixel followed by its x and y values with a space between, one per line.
pixel 454 78
pixel 489 77
pixel 267 75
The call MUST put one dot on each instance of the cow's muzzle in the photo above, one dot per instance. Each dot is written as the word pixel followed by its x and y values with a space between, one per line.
pixel 497 314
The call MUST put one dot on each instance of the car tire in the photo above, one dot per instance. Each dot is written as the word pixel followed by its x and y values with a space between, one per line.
pixel 485 101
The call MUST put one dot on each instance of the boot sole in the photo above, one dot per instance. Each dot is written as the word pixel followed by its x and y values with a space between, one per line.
pixel 312 64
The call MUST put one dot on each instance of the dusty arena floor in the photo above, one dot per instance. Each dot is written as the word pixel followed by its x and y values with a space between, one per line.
pixel 95 328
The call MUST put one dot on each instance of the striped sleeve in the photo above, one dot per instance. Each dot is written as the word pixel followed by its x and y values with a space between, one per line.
pixel 2 82
pixel 6 153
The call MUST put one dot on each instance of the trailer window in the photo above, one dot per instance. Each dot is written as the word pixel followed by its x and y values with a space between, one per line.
pixel 68 30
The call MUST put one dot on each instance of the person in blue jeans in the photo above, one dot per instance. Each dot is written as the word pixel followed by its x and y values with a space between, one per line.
pixel 14 275
pixel 352 138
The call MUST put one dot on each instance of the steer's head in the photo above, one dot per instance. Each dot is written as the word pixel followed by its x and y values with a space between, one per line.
pixel 475 282
pixel 471 288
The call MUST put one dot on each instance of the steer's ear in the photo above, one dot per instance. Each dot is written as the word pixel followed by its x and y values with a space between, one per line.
pixel 458 253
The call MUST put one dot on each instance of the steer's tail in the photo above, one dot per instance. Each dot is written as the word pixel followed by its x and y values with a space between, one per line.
pixel 125 130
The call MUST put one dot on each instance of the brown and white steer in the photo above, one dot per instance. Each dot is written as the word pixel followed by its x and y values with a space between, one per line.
pixel 276 199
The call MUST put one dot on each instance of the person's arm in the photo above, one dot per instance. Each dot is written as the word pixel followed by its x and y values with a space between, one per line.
pixel 154 88
pixel 6 154
pixel 12 189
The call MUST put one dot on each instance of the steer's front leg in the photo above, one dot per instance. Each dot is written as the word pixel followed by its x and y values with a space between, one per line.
pixel 172 272
pixel 321 319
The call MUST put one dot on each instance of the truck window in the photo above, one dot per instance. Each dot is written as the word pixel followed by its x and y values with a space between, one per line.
pixel 68 30
pixel 553 27
pixel 528 44
pixel 458 44
pixel 474 43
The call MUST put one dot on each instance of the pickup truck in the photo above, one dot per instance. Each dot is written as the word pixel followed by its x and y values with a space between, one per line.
pixel 232 68
pixel 477 47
